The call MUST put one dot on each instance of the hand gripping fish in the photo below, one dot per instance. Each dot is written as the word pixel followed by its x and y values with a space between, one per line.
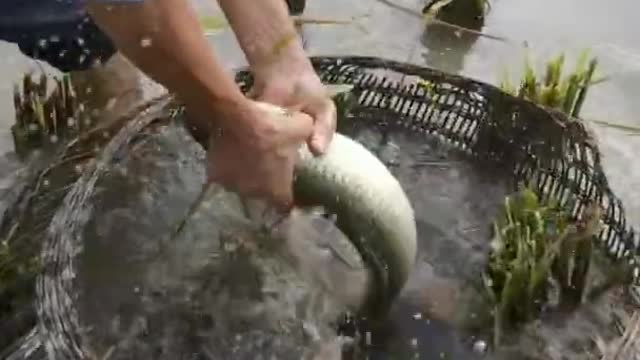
pixel 369 204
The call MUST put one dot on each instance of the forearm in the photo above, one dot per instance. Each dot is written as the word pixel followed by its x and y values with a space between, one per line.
pixel 264 30
pixel 165 40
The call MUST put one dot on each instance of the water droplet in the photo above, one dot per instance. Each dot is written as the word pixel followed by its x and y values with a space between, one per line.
pixel 53 139
pixel 333 218
pixel 326 253
pixel 122 170
pixel 78 168
pixel 145 42
pixel 46 182
pixel 480 346
pixel 70 122
pixel 111 103
pixel 311 331
pixel 229 247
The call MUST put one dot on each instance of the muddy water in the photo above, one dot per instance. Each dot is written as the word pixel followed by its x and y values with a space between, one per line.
pixel 450 245
pixel 146 296
pixel 454 200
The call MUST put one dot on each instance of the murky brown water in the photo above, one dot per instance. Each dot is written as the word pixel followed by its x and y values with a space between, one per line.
pixel 450 250
pixel 548 26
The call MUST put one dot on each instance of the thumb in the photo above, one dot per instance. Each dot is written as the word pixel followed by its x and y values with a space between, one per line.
pixel 299 125
pixel 325 115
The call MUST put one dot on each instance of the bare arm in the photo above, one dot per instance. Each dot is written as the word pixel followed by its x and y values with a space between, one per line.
pixel 256 156
pixel 165 40
pixel 265 32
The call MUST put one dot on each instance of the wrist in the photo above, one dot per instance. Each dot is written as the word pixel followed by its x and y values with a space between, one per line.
pixel 285 52
pixel 214 111
pixel 224 110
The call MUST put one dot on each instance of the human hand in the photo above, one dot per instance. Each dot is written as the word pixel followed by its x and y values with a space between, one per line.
pixel 291 82
pixel 254 154
pixel 282 71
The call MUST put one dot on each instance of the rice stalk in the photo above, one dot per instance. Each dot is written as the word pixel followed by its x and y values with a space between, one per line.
pixel 565 93
pixel 534 243
pixel 43 116
pixel 554 89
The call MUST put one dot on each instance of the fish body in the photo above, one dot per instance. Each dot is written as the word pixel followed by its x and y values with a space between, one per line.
pixel 370 206
pixel 371 209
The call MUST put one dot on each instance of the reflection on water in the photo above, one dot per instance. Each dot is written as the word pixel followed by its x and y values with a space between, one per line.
pixel 446 49
pixel 445 46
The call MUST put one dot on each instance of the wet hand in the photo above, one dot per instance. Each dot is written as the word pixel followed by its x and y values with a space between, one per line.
pixel 255 154
pixel 293 83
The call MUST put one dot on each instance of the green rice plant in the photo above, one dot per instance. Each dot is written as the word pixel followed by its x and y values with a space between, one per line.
pixel 565 93
pixel 535 246
pixel 525 243
pixel 43 117
pixel 571 266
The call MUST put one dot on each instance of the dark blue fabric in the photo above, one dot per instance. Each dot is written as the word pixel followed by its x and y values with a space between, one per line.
pixel 56 31
pixel 70 46
pixel 60 32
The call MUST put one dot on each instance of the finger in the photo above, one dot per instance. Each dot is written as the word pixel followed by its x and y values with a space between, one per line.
pixel 323 128
pixel 282 194
pixel 283 201
pixel 253 93
pixel 299 126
